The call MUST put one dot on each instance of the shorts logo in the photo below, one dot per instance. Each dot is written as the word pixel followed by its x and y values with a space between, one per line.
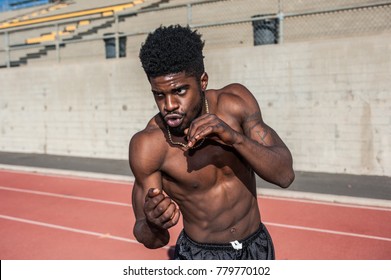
pixel 236 245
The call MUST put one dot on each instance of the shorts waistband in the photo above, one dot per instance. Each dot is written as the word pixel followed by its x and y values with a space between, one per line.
pixel 245 242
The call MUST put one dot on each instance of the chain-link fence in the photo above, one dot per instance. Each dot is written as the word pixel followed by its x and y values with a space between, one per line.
pixel 258 22
pixel 331 19
pixel 223 23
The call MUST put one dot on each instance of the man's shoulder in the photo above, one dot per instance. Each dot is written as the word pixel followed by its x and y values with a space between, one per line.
pixel 147 149
pixel 231 92
pixel 235 95
pixel 151 135
pixel 150 129
pixel 234 89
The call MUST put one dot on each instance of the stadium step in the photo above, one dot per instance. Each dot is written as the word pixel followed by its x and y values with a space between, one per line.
pixel 43 52
pixel 35 55
pixel 90 31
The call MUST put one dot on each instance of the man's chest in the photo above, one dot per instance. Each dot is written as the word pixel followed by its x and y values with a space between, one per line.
pixel 200 167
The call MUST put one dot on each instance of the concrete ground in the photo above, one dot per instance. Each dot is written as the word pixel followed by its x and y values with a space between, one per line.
pixel 358 189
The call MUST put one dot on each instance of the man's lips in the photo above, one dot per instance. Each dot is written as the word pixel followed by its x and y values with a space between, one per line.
pixel 173 120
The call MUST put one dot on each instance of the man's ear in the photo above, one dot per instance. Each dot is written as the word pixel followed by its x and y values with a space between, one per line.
pixel 204 81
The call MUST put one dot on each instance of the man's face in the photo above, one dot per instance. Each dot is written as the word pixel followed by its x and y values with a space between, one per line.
pixel 179 99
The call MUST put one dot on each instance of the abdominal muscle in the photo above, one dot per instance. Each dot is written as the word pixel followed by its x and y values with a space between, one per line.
pixel 220 213
pixel 215 190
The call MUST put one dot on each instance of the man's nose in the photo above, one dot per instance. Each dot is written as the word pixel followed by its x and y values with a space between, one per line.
pixel 171 103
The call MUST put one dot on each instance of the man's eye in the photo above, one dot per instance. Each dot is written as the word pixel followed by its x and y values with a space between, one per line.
pixel 181 91
pixel 158 94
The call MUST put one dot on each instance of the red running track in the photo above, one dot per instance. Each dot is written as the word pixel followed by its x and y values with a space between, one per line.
pixel 62 217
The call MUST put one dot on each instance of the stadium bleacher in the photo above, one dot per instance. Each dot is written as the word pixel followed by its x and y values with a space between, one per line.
pixel 87 23
pixel 6 5
pixel 64 20
pixel 75 29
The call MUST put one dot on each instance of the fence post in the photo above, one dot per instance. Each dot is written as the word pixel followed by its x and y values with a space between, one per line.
pixel 117 48
pixel 189 14
pixel 280 22
pixel 281 28
pixel 7 49
pixel 58 43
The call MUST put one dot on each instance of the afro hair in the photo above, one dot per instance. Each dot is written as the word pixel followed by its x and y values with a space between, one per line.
pixel 172 49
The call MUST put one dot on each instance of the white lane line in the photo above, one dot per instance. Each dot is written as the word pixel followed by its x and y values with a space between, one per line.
pixel 335 203
pixel 329 231
pixel 65 196
pixel 327 199
pixel 69 174
pixel 106 235
pixel 101 235
pixel 75 230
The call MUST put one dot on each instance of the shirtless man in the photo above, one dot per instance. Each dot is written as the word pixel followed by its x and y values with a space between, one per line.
pixel 199 155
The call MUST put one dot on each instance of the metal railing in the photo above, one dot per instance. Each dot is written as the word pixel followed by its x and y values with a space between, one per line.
pixel 223 23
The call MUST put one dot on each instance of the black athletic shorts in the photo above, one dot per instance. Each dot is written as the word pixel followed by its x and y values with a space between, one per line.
pixel 258 246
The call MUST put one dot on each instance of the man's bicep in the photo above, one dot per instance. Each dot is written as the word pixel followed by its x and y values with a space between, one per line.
pixel 249 112
pixel 257 130
pixel 145 168
pixel 140 190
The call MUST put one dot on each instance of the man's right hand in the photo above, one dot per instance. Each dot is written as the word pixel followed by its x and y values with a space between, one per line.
pixel 160 210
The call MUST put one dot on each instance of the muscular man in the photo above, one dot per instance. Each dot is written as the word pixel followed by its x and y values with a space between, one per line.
pixel 198 156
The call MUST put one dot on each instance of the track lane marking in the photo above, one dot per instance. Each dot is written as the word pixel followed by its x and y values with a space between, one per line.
pixel 259 197
pixel 268 223
pixel 68 174
pixel 329 203
pixel 328 231
pixel 74 230
pixel 105 235
pixel 65 196
pixel 64 228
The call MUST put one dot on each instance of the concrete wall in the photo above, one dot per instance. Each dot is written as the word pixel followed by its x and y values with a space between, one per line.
pixel 329 100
